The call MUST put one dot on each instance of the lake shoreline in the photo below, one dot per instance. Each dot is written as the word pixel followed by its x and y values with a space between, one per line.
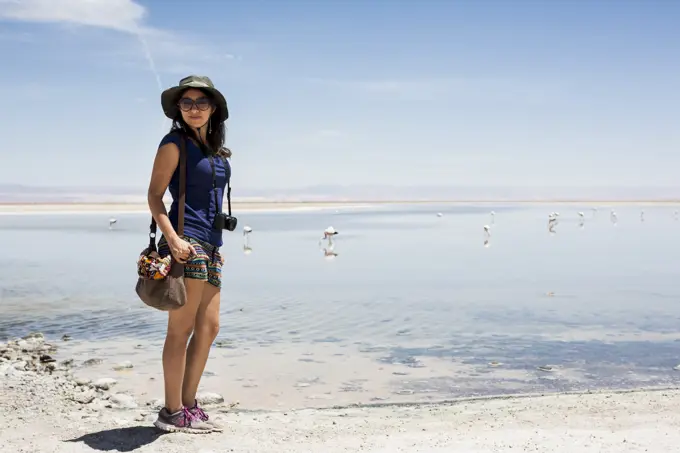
pixel 19 208
pixel 51 410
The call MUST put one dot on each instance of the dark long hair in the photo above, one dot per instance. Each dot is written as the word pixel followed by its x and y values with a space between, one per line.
pixel 214 138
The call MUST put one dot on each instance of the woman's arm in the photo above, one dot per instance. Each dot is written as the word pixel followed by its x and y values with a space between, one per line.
pixel 165 164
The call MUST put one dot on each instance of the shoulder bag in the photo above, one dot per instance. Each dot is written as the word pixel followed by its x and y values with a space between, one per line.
pixel 157 286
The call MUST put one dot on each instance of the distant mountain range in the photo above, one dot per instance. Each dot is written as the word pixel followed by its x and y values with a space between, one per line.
pixel 38 194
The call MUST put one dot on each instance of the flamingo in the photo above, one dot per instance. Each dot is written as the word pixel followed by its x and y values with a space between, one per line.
pixel 581 220
pixel 246 243
pixel 328 250
pixel 329 232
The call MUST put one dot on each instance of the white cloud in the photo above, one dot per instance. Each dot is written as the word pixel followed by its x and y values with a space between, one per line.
pixel 122 15
pixel 125 16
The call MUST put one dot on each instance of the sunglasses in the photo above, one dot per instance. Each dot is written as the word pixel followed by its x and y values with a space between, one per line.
pixel 187 104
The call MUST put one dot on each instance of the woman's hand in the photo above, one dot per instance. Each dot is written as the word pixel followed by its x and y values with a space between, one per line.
pixel 181 250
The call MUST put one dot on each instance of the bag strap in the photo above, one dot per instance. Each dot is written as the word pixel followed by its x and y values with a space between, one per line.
pixel 182 184
pixel 153 228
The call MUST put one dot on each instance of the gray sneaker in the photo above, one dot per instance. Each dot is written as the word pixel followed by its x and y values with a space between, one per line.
pixel 181 422
pixel 200 414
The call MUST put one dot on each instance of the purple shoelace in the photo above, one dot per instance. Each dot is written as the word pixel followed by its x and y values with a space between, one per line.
pixel 187 417
pixel 198 412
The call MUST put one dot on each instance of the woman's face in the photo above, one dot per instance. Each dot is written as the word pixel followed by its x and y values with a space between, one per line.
pixel 196 107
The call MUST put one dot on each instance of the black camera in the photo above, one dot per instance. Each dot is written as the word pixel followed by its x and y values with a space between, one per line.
pixel 225 222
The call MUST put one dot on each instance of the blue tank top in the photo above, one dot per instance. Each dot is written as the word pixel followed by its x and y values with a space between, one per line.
pixel 200 208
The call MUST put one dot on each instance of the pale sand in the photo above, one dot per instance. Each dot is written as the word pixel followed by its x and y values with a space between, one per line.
pixel 51 411
pixel 642 421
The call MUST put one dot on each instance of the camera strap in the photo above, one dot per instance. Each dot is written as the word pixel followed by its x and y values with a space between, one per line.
pixel 214 184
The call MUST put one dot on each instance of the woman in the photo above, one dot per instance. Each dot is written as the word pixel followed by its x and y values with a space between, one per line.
pixel 198 112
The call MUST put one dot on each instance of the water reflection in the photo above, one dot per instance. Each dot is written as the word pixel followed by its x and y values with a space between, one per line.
pixel 329 253
pixel 487 235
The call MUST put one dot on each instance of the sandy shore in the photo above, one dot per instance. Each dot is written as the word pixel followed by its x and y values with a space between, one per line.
pixel 46 409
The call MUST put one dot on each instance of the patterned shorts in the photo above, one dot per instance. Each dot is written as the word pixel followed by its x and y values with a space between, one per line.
pixel 206 265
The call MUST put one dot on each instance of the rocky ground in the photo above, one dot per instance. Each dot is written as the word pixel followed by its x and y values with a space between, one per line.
pixel 46 407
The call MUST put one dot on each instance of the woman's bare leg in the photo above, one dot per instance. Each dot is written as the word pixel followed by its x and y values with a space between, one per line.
pixel 206 328
pixel 180 325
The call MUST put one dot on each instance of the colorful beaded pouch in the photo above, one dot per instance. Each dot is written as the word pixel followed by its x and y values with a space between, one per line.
pixel 152 267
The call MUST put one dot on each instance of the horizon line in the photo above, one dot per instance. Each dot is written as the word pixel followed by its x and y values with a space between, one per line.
pixel 360 201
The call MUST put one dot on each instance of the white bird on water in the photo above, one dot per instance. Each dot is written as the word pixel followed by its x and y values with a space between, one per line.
pixel 329 232
pixel 112 222
pixel 329 248
pixel 246 243
pixel 613 217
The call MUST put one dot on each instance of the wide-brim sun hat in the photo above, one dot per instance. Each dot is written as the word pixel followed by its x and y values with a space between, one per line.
pixel 171 96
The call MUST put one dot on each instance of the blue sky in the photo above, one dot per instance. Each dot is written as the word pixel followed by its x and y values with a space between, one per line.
pixel 501 93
